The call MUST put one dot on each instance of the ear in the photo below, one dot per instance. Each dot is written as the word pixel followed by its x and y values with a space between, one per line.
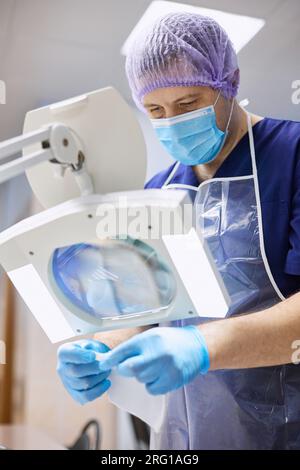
pixel 236 78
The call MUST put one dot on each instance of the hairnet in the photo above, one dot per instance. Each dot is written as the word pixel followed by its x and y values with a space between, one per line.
pixel 182 49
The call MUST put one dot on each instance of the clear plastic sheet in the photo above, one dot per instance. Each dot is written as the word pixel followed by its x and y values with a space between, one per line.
pixel 234 409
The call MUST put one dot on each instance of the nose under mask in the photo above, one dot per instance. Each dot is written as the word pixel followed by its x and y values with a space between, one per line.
pixel 192 138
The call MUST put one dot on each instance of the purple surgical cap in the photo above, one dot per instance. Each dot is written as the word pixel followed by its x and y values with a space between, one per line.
pixel 182 49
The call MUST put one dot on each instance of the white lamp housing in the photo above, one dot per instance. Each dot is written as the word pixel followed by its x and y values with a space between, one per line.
pixel 78 273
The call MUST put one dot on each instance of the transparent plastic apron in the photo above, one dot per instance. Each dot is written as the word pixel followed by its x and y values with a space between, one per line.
pixel 234 409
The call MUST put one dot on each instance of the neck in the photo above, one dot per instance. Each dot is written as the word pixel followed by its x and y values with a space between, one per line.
pixel 237 129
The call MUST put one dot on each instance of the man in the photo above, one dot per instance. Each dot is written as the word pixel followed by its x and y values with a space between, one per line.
pixel 231 382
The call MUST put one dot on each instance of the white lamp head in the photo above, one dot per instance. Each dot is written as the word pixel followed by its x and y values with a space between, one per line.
pixel 109 136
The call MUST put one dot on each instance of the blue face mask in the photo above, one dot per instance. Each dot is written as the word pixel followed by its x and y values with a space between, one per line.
pixel 192 138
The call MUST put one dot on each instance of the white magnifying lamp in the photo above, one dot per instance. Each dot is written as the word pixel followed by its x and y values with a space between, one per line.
pixel 100 257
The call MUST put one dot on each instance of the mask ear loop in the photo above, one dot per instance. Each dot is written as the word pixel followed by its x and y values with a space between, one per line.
pixel 231 110
pixel 217 98
pixel 230 115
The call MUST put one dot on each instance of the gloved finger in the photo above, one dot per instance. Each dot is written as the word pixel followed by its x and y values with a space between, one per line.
pixel 94 345
pixel 85 383
pixel 74 353
pixel 148 375
pixel 160 387
pixel 93 393
pixel 97 391
pixel 124 351
pixel 139 367
pixel 130 367
pixel 80 370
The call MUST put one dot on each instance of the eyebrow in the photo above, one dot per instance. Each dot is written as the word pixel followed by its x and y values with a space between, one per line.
pixel 190 95
pixel 184 97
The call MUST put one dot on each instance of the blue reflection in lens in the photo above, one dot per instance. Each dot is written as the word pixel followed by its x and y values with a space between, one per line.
pixel 116 277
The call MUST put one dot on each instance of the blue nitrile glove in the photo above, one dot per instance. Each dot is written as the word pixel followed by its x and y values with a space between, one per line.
pixel 80 371
pixel 162 358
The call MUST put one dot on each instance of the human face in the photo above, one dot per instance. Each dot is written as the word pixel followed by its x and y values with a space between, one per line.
pixel 173 101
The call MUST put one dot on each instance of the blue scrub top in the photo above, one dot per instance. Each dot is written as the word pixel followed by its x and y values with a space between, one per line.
pixel 277 147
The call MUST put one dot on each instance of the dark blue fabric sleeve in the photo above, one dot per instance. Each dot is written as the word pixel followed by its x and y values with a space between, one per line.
pixel 292 265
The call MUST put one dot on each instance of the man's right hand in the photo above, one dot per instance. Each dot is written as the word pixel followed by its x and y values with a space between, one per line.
pixel 79 370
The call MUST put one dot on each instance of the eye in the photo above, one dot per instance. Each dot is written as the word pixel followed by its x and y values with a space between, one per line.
pixel 156 112
pixel 189 103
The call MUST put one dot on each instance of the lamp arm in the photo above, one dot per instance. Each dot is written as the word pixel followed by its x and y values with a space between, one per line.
pixel 58 146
